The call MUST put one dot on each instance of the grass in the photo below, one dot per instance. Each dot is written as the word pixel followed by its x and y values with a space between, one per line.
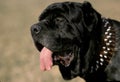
pixel 19 59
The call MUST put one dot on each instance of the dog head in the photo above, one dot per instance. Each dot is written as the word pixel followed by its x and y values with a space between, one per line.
pixel 64 29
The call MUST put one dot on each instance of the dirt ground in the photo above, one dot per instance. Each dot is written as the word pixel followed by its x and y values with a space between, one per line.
pixel 19 59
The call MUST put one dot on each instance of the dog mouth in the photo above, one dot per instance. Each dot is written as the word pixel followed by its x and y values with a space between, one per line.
pixel 64 58
pixel 49 58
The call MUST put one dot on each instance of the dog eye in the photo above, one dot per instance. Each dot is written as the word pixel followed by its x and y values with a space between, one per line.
pixel 59 19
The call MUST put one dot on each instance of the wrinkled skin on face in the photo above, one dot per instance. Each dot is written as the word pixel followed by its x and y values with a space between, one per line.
pixel 63 34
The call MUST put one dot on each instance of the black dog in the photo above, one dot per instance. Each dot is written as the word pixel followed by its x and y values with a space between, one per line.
pixel 75 37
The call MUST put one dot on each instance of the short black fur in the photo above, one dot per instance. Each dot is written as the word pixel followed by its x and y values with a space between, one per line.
pixel 77 28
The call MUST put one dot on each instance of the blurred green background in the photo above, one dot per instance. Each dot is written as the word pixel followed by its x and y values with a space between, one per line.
pixel 19 59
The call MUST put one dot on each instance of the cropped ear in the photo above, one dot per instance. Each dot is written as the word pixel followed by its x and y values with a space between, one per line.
pixel 90 16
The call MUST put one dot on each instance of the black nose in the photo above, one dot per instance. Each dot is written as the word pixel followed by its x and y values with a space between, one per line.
pixel 35 29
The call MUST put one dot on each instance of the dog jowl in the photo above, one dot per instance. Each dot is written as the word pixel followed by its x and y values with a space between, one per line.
pixel 75 37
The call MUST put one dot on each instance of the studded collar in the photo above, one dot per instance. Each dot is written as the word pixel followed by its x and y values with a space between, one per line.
pixel 107 48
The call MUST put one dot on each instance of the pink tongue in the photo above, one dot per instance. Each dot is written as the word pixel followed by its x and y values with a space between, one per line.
pixel 45 59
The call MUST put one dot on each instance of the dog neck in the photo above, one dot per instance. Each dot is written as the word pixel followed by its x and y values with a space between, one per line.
pixel 107 48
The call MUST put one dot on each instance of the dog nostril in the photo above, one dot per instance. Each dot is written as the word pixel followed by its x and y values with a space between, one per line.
pixel 35 29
